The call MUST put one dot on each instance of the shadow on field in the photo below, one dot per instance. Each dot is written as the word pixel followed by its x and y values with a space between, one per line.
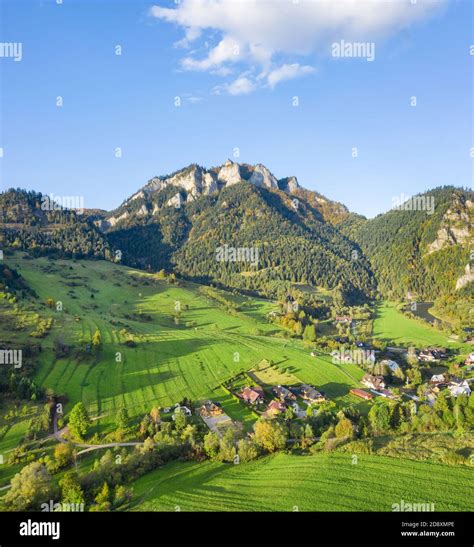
pixel 333 389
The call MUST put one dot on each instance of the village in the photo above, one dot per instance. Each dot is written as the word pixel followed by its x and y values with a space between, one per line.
pixel 298 400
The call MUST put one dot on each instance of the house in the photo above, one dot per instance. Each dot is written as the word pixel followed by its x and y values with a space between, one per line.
pixel 373 382
pixel 184 409
pixel 459 388
pixel 429 355
pixel 469 359
pixel 283 393
pixel 252 395
pixel 274 408
pixel 437 379
pixel 392 365
pixel 309 393
pixel 210 409
pixel 362 394
pixel 343 319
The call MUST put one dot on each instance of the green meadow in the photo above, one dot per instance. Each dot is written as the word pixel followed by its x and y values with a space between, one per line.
pixel 186 344
pixel 393 326
pixel 335 482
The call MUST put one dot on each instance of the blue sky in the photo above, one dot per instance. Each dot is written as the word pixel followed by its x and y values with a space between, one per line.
pixel 128 101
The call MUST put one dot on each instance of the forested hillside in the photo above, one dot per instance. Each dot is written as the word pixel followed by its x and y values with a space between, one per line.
pixel 29 221
pixel 418 252
pixel 294 244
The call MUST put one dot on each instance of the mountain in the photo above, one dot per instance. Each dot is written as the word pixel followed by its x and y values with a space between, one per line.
pixel 422 249
pixel 239 226
pixel 181 220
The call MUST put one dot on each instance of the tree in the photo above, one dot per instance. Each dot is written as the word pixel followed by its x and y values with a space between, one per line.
pixel 29 488
pixel 379 417
pixel 247 450
pixel 103 497
pixel 63 454
pixel 308 436
pixel 97 339
pixel 179 420
pixel 289 413
pixel 155 414
pixel 310 333
pixel 122 418
pixel 79 421
pixel 71 491
pixel 211 444
pixel 344 428
pixel 270 435
pixel 121 495
pixel 227 451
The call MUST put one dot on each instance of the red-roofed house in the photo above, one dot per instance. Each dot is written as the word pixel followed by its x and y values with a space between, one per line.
pixel 252 395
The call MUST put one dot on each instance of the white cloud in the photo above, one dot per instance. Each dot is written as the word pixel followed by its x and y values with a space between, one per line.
pixel 287 72
pixel 240 86
pixel 264 31
pixel 227 50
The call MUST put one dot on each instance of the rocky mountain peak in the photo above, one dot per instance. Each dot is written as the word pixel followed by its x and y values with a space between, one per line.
pixel 194 181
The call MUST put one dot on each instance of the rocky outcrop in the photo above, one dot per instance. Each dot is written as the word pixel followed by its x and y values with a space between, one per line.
pixel 209 183
pixel 456 227
pixel 195 181
pixel 262 177
pixel 229 173
pixel 115 220
pixel 468 277
pixel 176 201
pixel 288 184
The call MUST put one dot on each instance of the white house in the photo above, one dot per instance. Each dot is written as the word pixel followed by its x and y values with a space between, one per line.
pixel 459 388
pixel 392 365
pixel 437 379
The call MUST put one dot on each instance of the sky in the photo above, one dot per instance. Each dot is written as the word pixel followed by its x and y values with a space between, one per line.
pixel 148 87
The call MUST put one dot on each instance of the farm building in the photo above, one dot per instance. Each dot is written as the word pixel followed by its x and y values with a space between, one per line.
pixel 373 382
pixel 283 393
pixel 362 394
pixel 309 393
pixel 210 409
pixel 252 395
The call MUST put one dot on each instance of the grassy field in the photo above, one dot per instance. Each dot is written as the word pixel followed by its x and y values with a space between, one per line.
pixel 393 326
pixel 173 358
pixel 305 483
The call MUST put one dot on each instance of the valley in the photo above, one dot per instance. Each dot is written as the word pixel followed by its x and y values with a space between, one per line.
pixel 164 341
